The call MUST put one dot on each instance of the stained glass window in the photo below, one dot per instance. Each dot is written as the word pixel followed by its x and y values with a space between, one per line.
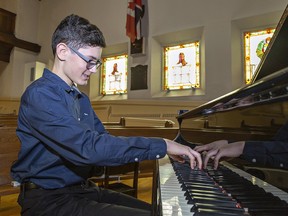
pixel 114 75
pixel 255 44
pixel 182 67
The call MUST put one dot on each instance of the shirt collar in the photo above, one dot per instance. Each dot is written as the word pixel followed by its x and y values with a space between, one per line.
pixel 56 79
pixel 74 91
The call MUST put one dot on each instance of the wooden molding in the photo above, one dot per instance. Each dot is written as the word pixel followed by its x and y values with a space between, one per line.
pixel 10 39
pixel 7 38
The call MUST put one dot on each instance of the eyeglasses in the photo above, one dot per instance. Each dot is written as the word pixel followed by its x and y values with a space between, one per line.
pixel 91 63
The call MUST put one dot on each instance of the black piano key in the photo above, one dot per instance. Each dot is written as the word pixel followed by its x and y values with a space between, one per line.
pixel 262 211
pixel 235 180
pixel 196 179
pixel 208 184
pixel 240 193
pixel 235 184
pixel 218 203
pixel 256 196
pixel 216 212
pixel 216 207
pixel 189 193
pixel 216 196
pixel 267 205
pixel 189 176
pixel 270 214
pixel 199 181
pixel 207 200
pixel 239 190
pixel 223 198
pixel 204 188
pixel 203 191
pixel 247 191
pixel 254 199
pixel 268 196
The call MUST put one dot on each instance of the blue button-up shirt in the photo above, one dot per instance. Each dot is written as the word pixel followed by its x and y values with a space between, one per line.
pixel 62 138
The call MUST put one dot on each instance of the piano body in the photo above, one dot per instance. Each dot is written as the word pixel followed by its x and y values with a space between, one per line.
pixel 254 112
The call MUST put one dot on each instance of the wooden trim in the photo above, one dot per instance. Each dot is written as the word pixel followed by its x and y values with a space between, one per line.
pixel 10 39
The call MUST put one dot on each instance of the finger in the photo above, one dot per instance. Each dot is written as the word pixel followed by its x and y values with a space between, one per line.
pixel 209 154
pixel 201 148
pixel 192 162
pixel 195 158
pixel 198 157
pixel 177 158
pixel 216 159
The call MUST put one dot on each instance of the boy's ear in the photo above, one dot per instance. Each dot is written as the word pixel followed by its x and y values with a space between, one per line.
pixel 62 51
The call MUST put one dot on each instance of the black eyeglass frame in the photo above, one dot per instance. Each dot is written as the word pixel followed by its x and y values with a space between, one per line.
pixel 91 63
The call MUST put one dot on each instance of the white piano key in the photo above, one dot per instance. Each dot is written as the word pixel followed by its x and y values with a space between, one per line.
pixel 172 196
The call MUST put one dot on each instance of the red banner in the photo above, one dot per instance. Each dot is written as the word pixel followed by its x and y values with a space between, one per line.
pixel 133 22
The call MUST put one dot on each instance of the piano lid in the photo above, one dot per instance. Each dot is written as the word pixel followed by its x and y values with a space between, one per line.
pixel 272 70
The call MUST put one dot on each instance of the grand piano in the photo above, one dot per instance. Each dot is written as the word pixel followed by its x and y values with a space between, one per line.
pixel 253 112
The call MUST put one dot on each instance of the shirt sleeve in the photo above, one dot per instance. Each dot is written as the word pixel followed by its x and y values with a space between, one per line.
pixel 268 153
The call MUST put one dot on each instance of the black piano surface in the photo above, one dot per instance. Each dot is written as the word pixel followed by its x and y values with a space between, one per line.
pixel 253 112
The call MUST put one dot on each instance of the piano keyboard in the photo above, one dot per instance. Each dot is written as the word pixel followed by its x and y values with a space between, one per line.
pixel 227 191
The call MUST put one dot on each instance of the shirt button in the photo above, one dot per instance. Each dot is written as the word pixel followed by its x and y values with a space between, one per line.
pixel 254 160
pixel 136 159
pixel 157 156
pixel 281 165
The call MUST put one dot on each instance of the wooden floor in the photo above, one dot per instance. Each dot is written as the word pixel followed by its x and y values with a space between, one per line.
pixel 10 207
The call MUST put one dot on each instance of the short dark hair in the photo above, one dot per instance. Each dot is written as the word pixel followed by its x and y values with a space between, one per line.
pixel 77 32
